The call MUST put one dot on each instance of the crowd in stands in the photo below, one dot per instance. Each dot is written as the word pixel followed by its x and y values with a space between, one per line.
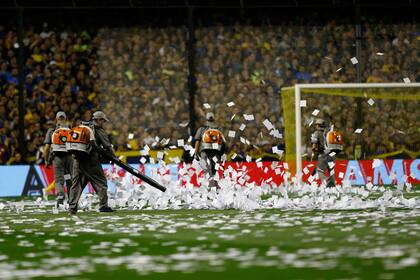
pixel 249 65
pixel 138 76
pixel 143 85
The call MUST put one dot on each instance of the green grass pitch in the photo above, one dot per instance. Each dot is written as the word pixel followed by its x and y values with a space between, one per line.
pixel 210 244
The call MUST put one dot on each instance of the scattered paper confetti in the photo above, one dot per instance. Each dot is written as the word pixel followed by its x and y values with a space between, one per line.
pixel 406 80
pixel 180 142
pixel 354 60
pixel 371 101
pixel 276 133
pixel 303 103
pixel 249 117
pixel 230 104
pixel 207 106
pixel 359 130
pixel 376 163
pixel 311 122
pixel 268 124
pixel 315 112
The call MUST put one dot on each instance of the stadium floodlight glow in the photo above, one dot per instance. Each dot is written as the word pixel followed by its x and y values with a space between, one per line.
pixel 290 99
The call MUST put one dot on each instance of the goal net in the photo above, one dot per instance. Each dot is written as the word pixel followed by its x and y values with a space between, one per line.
pixel 377 120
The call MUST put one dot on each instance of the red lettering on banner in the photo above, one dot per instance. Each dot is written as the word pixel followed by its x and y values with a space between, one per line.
pixel 273 173
pixel 263 172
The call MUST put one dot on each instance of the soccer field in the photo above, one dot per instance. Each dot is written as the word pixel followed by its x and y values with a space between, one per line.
pixel 207 244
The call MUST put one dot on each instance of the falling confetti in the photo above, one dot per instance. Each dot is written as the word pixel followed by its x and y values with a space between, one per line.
pixel 315 112
pixel 407 80
pixel 249 117
pixel 180 142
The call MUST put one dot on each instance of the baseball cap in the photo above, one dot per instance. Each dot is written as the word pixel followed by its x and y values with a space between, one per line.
pixel 60 114
pixel 99 115
pixel 320 122
pixel 210 116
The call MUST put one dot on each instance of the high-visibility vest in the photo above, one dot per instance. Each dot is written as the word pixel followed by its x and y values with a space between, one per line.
pixel 212 139
pixel 59 138
pixel 334 141
pixel 79 139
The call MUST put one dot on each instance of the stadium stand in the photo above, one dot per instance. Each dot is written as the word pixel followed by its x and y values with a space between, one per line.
pixel 139 76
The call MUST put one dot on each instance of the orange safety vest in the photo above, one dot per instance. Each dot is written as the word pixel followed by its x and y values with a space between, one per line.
pixel 212 139
pixel 59 139
pixel 334 141
pixel 79 139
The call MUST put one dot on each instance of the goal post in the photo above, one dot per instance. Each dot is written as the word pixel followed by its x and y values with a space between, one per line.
pixel 294 104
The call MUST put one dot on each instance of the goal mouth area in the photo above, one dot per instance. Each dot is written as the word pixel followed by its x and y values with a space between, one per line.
pixel 292 106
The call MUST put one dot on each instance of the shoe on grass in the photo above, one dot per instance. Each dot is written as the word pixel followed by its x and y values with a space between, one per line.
pixel 59 202
pixel 72 212
pixel 106 209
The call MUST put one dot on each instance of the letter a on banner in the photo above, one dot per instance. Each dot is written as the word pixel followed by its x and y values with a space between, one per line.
pixel 354 173
pixel 33 183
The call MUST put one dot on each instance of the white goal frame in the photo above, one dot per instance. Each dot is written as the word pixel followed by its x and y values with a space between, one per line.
pixel 298 112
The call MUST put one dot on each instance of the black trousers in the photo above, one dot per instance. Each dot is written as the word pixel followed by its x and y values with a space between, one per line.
pixel 210 155
pixel 62 165
pixel 87 169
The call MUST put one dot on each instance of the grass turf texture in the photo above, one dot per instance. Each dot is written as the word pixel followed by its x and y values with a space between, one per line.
pixel 209 244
